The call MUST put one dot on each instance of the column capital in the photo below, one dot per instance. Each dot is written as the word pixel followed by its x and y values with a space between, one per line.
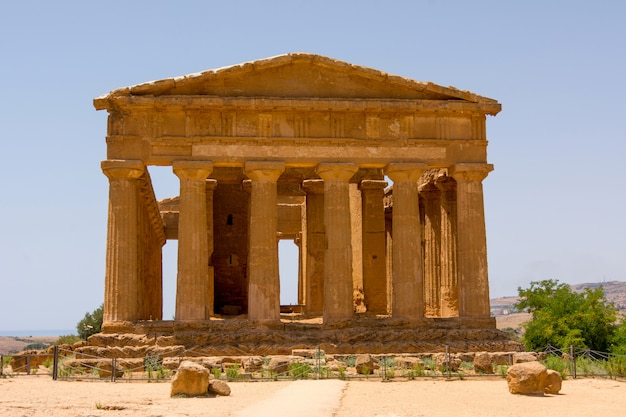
pixel 373 184
pixel 313 186
pixel 429 191
pixel 402 171
pixel 336 170
pixel 470 171
pixel 211 184
pixel 264 171
pixel 195 170
pixel 122 169
pixel 445 183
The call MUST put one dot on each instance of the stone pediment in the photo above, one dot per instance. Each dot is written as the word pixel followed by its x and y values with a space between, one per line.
pixel 295 75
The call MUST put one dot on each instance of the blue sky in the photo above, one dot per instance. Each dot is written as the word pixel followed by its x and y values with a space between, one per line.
pixel 554 205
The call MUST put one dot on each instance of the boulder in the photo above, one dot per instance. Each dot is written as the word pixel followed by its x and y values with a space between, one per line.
pixel 553 382
pixel 442 363
pixel 521 357
pixel 191 379
pixel 482 363
pixel 219 387
pixel 252 363
pixel 527 378
pixel 365 364
pixel 409 362
pixel 279 364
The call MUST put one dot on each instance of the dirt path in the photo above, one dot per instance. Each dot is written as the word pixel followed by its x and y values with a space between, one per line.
pixel 39 396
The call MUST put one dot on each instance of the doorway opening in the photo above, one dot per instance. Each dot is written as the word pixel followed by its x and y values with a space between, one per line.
pixel 288 265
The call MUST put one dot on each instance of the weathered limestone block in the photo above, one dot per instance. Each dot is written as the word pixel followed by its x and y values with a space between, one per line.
pixel 191 379
pixel 307 353
pixel 252 363
pixel 409 362
pixel 279 364
pixel 483 363
pixel 527 378
pixel 366 364
pixel 32 358
pixel 105 369
pixel 443 364
pixel 554 382
pixel 521 357
pixel 219 387
pixel 502 358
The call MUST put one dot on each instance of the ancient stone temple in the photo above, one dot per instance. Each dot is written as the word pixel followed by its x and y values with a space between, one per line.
pixel 377 178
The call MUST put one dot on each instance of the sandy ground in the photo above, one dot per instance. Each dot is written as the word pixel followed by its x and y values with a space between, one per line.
pixel 36 396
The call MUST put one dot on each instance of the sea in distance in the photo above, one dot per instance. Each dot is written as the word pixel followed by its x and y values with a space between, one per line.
pixel 45 332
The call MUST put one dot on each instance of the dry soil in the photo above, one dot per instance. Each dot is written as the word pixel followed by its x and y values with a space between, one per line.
pixel 41 396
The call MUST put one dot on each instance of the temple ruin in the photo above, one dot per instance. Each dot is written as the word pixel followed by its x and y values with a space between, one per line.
pixel 377 178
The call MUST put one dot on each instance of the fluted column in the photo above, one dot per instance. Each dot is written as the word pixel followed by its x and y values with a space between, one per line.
pixel 407 275
pixel 449 287
pixel 338 303
pixel 211 185
pixel 471 239
pixel 192 285
pixel 432 250
pixel 263 275
pixel 315 246
pixel 373 238
pixel 122 265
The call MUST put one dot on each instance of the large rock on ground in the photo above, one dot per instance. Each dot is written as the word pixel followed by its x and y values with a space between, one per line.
pixel 191 379
pixel 409 362
pixel 219 387
pixel 553 382
pixel 365 364
pixel 483 363
pixel 454 362
pixel 527 378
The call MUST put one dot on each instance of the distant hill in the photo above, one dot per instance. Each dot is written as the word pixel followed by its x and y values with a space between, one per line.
pixel 614 291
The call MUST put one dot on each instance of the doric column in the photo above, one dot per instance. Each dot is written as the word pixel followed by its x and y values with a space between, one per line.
pixel 299 242
pixel 211 185
pixel 192 285
pixel 263 276
pixel 338 303
pixel 315 246
pixel 373 239
pixel 471 239
pixel 122 265
pixel 449 288
pixel 432 250
pixel 407 275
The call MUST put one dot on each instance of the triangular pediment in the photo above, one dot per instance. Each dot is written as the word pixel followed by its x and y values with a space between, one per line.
pixel 296 75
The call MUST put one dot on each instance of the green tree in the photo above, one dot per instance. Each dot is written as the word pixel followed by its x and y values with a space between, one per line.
pixel 562 317
pixel 91 323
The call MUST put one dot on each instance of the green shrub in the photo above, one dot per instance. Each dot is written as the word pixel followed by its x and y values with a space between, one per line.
pixel 350 361
pixel 556 363
pixel 616 366
pixel 232 372
pixel 68 339
pixel 299 370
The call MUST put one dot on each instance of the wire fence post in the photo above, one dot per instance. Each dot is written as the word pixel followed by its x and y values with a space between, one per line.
pixel 113 369
pixel 573 359
pixel 319 370
pixel 448 360
pixel 55 363
pixel 27 364
pixel 1 364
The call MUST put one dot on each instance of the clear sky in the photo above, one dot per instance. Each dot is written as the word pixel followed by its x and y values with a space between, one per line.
pixel 555 203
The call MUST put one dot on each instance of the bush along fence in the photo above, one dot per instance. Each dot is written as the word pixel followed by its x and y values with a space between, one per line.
pixel 65 364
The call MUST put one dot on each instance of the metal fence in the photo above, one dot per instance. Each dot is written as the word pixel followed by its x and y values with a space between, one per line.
pixel 64 364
